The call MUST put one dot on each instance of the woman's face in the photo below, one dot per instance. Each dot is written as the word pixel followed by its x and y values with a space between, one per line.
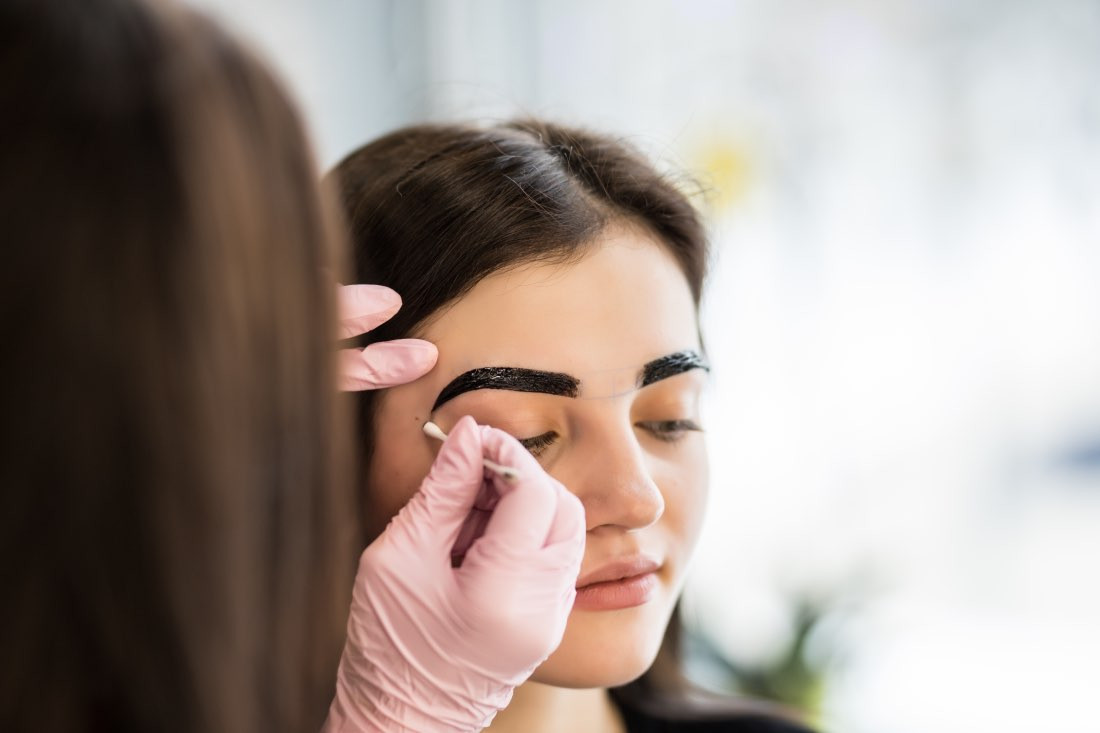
pixel 633 454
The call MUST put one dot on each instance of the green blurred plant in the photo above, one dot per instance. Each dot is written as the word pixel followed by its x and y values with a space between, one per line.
pixel 793 677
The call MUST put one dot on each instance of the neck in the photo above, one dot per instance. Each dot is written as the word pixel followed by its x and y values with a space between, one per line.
pixel 538 708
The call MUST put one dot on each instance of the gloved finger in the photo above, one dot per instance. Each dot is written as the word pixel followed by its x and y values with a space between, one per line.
pixel 476 521
pixel 564 549
pixel 365 307
pixel 568 526
pixel 448 494
pixel 526 509
pixel 385 364
pixel 564 608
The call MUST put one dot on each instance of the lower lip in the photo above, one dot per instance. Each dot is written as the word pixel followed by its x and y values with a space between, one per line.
pixel 625 593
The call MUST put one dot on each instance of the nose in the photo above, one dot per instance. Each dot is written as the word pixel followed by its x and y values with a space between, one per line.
pixel 613 482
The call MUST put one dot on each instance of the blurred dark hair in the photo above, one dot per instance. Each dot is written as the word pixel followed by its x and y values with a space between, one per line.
pixel 175 555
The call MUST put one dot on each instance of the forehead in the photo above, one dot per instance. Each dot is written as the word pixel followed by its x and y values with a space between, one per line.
pixel 625 302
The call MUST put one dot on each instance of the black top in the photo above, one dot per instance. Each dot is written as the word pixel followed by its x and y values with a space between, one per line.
pixel 714 716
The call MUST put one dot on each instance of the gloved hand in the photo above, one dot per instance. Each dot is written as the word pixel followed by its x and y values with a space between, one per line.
pixel 433 647
pixel 384 364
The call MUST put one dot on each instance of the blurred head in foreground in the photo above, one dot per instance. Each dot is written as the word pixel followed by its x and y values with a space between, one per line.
pixel 172 506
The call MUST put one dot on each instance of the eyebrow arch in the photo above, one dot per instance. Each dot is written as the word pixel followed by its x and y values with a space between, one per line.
pixel 516 379
pixel 671 365
pixel 519 379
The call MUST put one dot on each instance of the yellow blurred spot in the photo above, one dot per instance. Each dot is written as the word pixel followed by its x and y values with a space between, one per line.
pixel 724 171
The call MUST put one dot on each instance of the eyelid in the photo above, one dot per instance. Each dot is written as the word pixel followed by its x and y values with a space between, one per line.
pixel 535 445
pixel 669 430
pixel 672 396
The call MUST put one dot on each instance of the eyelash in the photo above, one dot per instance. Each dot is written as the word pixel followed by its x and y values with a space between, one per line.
pixel 539 443
pixel 668 431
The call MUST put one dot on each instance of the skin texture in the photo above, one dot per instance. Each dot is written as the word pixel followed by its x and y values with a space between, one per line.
pixel 600 318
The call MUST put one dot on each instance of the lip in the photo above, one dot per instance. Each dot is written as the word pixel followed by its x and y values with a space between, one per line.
pixel 621 583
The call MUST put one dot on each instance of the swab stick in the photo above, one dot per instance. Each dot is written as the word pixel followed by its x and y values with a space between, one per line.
pixel 506 472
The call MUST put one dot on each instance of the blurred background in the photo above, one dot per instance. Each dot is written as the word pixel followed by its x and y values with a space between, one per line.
pixel 904 315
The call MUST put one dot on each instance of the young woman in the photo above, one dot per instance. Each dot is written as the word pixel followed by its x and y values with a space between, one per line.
pixel 559 276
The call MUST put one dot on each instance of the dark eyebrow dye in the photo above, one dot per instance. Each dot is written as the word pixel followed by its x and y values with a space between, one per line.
pixel 671 365
pixel 510 378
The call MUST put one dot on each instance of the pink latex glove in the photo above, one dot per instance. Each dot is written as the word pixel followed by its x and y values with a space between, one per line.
pixel 432 647
pixel 386 363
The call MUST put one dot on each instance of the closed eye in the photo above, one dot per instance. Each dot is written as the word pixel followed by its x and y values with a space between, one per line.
pixel 669 431
pixel 539 443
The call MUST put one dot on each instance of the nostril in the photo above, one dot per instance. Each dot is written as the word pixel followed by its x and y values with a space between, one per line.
pixel 633 506
pixel 609 472
pixel 653 508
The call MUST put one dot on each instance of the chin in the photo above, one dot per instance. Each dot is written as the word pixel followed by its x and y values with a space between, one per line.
pixel 606 648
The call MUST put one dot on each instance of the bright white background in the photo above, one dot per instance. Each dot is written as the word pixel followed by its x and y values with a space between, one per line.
pixel 904 317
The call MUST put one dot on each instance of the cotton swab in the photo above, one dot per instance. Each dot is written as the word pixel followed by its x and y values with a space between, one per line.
pixel 505 472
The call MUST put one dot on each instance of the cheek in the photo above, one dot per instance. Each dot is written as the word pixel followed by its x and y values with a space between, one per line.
pixel 396 470
pixel 684 481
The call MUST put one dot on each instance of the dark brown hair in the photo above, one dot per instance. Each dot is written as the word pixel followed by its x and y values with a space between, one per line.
pixel 174 554
pixel 434 209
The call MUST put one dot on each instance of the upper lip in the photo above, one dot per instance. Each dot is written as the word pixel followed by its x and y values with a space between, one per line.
pixel 619 568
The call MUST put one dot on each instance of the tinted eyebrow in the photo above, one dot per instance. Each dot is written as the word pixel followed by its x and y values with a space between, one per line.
pixel 671 365
pixel 515 379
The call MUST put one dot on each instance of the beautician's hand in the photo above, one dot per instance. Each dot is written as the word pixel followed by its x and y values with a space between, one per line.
pixel 386 363
pixel 432 647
